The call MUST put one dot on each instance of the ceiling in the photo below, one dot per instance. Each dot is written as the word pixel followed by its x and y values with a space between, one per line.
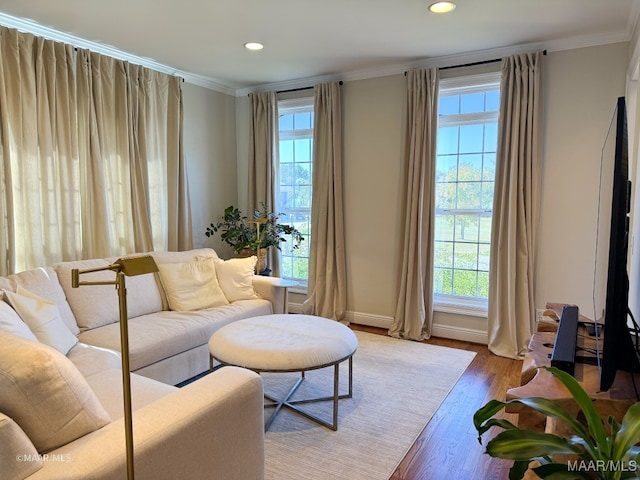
pixel 307 39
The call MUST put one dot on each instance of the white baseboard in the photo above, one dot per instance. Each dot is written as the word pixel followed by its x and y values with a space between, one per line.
pixel 381 321
pixel 369 319
pixel 294 307
pixel 460 333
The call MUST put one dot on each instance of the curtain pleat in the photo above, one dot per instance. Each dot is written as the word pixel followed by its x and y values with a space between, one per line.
pixel 263 152
pixel 88 147
pixel 107 150
pixel 516 207
pixel 327 286
pixel 39 152
pixel 414 307
pixel 180 231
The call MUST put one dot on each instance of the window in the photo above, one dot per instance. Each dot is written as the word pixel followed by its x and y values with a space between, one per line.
pixel 294 187
pixel 468 110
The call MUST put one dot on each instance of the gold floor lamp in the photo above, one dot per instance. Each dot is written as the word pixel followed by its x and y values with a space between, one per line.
pixel 126 266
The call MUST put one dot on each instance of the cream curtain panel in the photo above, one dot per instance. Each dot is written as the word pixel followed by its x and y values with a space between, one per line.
pixel 414 307
pixel 327 289
pixel 515 207
pixel 263 154
pixel 39 163
pixel 91 156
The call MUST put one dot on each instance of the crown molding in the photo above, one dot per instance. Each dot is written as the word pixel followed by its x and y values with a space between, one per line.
pixel 456 59
pixel 381 71
pixel 34 28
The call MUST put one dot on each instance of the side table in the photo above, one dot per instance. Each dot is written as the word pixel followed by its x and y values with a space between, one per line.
pixel 285 284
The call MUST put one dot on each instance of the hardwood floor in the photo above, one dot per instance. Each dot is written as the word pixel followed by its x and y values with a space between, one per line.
pixel 448 447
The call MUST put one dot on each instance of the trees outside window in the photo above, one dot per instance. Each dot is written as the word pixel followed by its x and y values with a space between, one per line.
pixel 468 110
pixel 294 182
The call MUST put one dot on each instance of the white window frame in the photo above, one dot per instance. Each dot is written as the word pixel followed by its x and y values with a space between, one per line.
pixel 469 306
pixel 287 107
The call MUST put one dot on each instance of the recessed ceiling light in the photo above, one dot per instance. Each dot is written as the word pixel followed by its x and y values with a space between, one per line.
pixel 442 7
pixel 253 46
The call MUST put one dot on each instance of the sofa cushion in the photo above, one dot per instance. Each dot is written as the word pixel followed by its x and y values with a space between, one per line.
pixel 45 394
pixel 43 318
pixel 18 457
pixel 107 386
pixel 191 285
pixel 43 282
pixel 161 335
pixel 97 305
pixel 91 360
pixel 183 257
pixel 236 277
pixel 10 322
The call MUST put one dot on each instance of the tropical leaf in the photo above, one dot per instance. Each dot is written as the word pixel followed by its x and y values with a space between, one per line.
pixel 619 450
pixel 629 433
pixel 519 469
pixel 487 411
pixel 549 408
pixel 496 422
pixel 525 445
pixel 585 403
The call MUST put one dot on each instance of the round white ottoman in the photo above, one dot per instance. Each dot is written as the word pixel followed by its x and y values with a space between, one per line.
pixel 288 343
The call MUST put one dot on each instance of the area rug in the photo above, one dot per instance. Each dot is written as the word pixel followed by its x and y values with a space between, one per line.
pixel 398 386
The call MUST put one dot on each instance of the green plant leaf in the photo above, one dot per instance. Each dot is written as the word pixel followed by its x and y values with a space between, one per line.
pixel 519 468
pixel 524 445
pixel 498 422
pixel 544 406
pixel 596 429
pixel 485 413
pixel 629 433
pixel 550 408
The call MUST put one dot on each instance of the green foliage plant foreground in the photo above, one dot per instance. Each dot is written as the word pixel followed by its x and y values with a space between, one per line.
pixel 600 449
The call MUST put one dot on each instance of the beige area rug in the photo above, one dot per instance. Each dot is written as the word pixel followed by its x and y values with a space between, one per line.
pixel 398 386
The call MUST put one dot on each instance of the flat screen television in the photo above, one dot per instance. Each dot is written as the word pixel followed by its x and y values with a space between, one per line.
pixel 618 351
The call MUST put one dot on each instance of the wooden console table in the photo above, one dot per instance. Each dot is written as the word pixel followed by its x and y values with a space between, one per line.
pixel 537 382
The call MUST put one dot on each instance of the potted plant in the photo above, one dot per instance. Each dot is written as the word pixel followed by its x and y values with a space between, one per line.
pixel 597 449
pixel 254 236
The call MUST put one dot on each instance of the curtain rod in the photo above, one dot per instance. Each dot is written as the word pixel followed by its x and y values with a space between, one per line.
pixel 301 88
pixel 473 64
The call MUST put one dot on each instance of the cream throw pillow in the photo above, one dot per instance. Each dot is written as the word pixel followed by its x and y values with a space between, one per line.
pixel 191 286
pixel 236 277
pixel 18 457
pixel 45 394
pixel 10 322
pixel 43 318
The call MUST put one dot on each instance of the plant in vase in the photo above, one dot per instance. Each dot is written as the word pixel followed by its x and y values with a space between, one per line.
pixel 254 236
pixel 596 449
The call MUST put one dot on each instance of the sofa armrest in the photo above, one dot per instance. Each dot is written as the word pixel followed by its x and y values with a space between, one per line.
pixel 210 429
pixel 270 289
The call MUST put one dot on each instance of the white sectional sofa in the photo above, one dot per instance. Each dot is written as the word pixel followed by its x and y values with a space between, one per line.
pixel 60 379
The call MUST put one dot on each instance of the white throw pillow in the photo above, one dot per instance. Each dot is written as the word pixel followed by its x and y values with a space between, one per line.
pixel 43 318
pixel 192 285
pixel 45 394
pixel 18 457
pixel 10 322
pixel 236 277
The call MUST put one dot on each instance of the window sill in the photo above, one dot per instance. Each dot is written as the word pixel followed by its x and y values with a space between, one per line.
pixel 460 306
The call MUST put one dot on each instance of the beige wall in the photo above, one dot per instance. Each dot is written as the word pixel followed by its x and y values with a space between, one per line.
pixel 210 152
pixel 373 117
pixel 581 87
